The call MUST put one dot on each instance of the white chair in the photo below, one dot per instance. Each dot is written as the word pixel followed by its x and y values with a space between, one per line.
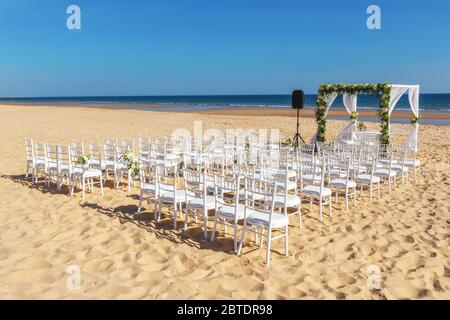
pixel 168 194
pixel 399 165
pixel 386 173
pixel 39 164
pixel 197 198
pixel 264 218
pixel 148 187
pixel 144 146
pixel 109 156
pixel 413 163
pixel 228 209
pixel 319 192
pixel 82 175
pixel 63 165
pixel 29 154
pixel 368 179
pixel 95 153
pixel 308 172
pixel 51 166
pixel 285 200
pixel 120 168
pixel 344 184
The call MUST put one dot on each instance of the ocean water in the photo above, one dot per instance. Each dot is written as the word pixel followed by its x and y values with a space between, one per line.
pixel 428 102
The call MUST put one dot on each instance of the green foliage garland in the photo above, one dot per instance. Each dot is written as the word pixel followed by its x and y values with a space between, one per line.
pixel 382 90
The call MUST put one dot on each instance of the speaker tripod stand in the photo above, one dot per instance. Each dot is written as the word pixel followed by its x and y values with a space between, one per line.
pixel 297 136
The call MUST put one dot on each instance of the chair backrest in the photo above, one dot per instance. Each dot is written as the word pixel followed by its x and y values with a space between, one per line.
pixel 195 183
pixel 149 173
pixel 78 144
pixel 95 153
pixel 265 190
pixel 144 147
pixel 108 151
pixel 226 192
pixel 127 144
pixel 29 152
pixel 385 155
pixel 39 151
pixel 306 150
pixel 119 161
pixel 74 153
pixel 167 179
pixel 63 157
pixel 51 156
pixel 399 156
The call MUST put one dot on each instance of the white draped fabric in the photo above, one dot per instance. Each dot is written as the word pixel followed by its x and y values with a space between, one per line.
pixel 351 105
pixel 411 141
pixel 329 101
pixel 346 134
pixel 350 102
pixel 396 94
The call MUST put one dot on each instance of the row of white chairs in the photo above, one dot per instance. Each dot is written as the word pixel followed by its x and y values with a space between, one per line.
pixel 254 185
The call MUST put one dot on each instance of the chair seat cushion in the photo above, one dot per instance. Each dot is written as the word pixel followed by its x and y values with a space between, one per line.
pixel 282 173
pixel 228 212
pixel 338 175
pixel 315 191
pixel 251 195
pixel 168 197
pixel 366 178
pixel 291 201
pixel 385 173
pixel 199 203
pixel 260 218
pixel 89 173
pixel 342 183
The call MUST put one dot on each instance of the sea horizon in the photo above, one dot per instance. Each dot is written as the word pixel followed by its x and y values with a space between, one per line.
pixel 430 102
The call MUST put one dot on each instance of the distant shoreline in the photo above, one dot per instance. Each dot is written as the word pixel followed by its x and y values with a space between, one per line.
pixel 241 111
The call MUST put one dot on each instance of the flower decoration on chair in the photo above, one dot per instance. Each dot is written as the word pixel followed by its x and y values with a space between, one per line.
pixel 382 90
pixel 354 116
pixel 414 119
pixel 128 159
pixel 83 160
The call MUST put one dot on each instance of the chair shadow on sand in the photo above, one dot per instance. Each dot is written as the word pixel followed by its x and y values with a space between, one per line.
pixel 192 237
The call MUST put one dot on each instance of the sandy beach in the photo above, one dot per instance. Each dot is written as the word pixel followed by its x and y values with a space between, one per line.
pixel 122 255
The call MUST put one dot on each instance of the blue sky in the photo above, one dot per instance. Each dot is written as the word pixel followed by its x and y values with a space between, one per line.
pixel 180 47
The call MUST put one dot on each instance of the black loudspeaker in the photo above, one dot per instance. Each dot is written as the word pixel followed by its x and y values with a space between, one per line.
pixel 298 99
pixel 298 102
